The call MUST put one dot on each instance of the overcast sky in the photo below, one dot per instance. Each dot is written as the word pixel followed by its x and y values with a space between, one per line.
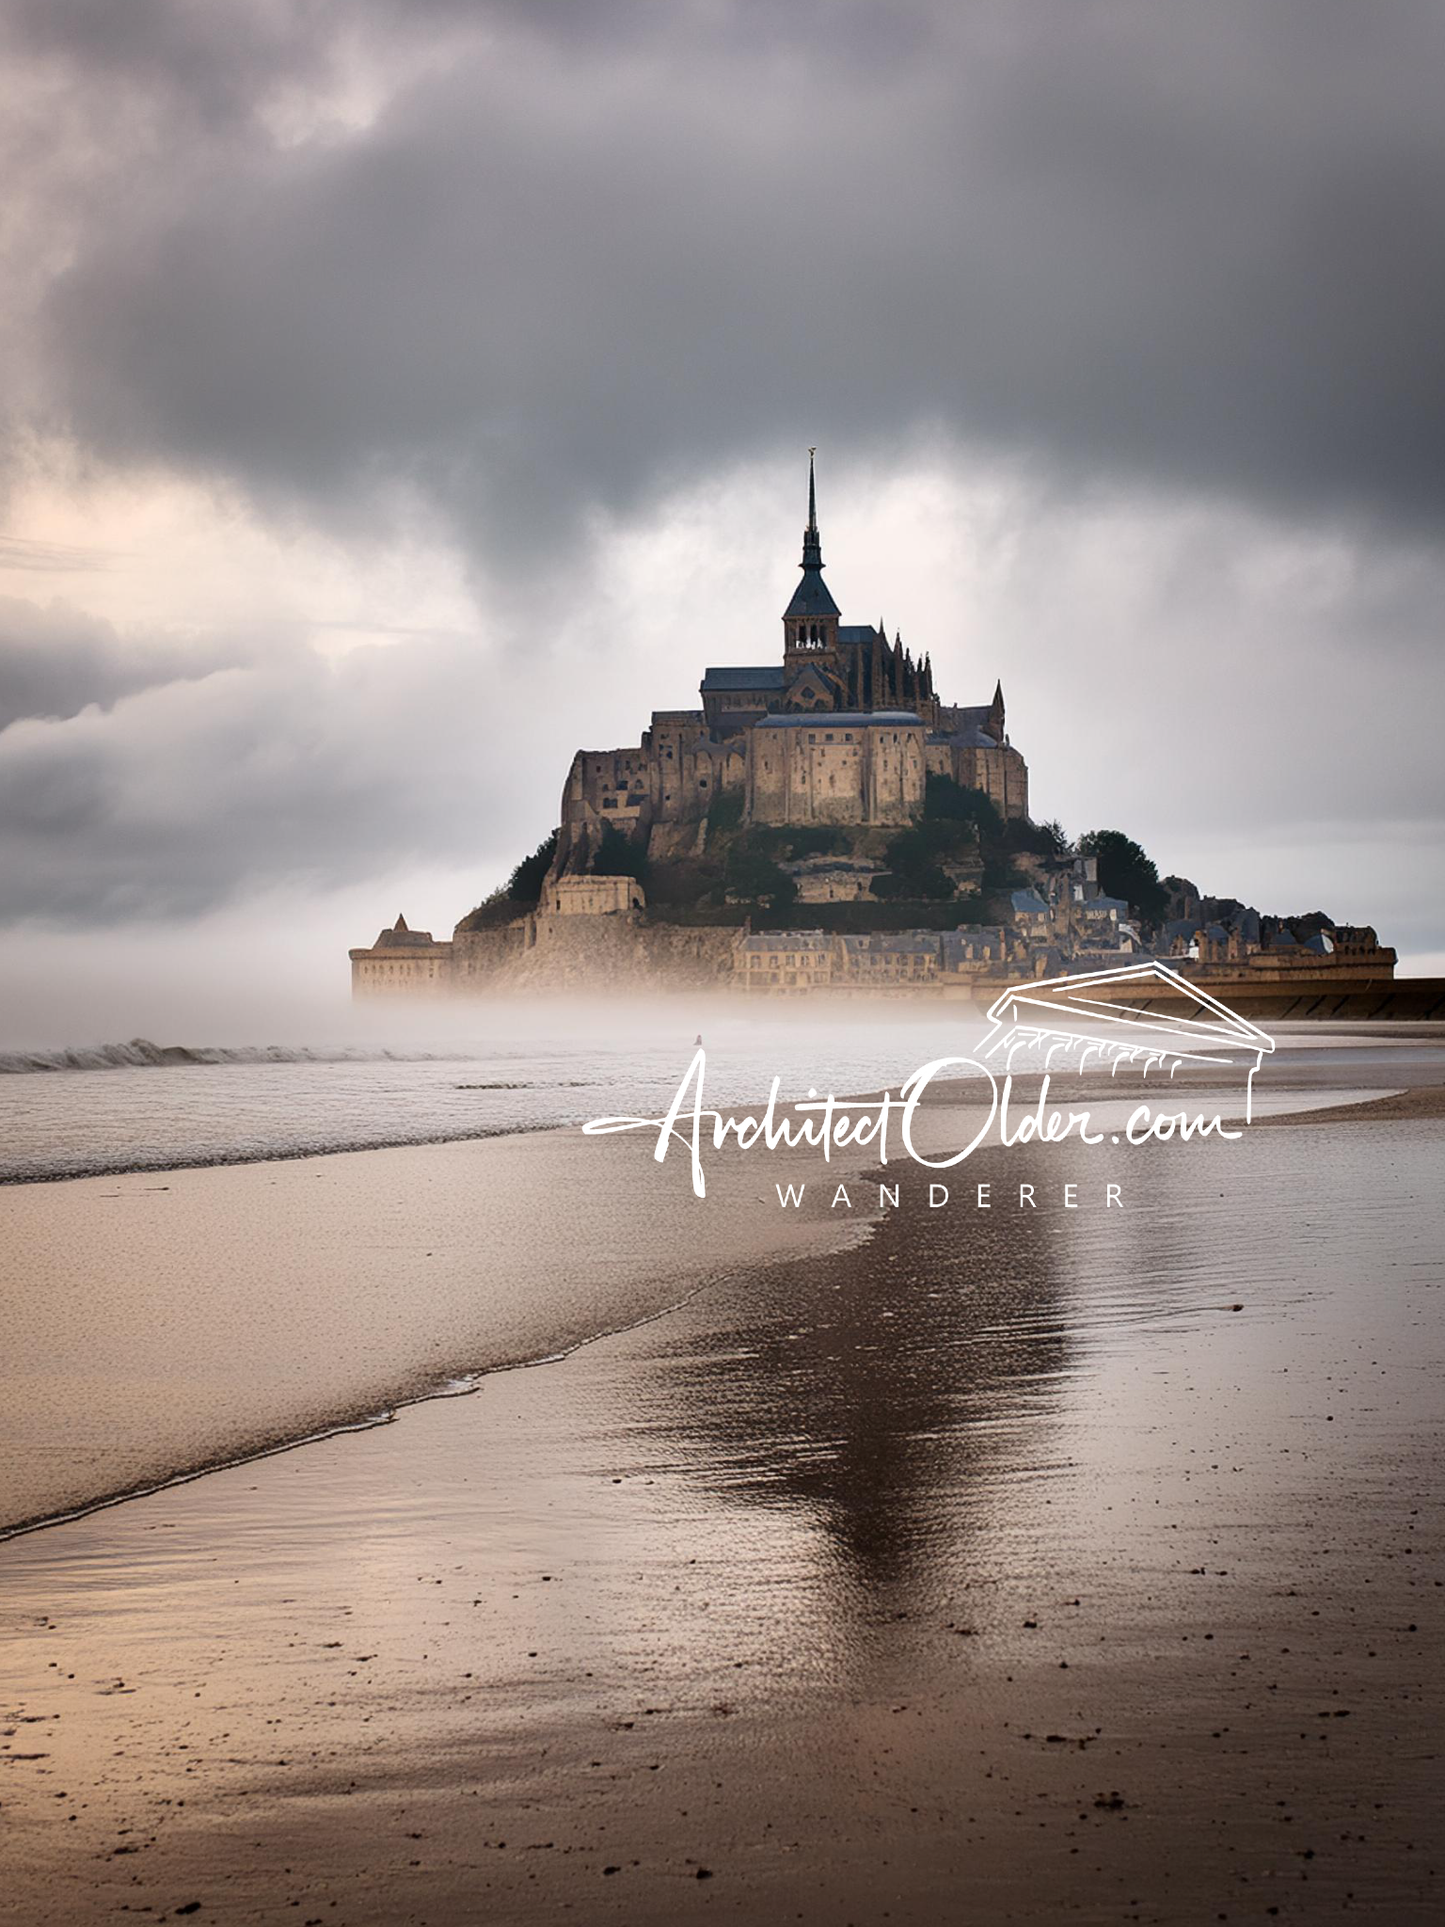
pixel 402 393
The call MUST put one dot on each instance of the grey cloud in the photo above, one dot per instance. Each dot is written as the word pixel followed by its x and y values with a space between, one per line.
pixel 601 246
pixel 56 660
pixel 289 770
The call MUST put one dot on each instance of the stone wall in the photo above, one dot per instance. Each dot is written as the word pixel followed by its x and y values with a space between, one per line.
pixel 835 768
pixel 1001 773
pixel 592 896
pixel 550 952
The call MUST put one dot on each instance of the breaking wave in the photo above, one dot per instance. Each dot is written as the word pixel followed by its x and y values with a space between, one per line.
pixel 141 1054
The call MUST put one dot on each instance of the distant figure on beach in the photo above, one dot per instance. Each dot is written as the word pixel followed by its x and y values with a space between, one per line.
pixel 698 1038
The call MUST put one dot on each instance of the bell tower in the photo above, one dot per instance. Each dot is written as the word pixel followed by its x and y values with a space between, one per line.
pixel 810 621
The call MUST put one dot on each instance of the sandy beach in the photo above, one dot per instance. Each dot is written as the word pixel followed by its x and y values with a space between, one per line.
pixel 993 1565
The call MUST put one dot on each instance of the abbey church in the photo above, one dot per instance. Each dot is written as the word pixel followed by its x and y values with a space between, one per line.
pixel 844 730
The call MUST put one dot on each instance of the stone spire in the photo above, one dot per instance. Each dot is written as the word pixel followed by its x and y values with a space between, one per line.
pixel 812 543
pixel 811 601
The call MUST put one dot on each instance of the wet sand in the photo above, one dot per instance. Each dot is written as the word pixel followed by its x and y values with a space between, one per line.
pixel 999 1566
pixel 192 1317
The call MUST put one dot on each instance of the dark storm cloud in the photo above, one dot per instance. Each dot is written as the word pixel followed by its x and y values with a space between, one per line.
pixel 56 661
pixel 593 248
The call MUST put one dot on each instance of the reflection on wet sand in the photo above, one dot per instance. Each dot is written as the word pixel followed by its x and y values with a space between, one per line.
pixel 869 1399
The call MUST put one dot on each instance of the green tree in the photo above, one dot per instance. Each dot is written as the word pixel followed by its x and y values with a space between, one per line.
pixel 753 874
pixel 525 883
pixel 1052 833
pixel 618 856
pixel 725 812
pixel 1125 871
pixel 1020 836
pixel 913 860
pixel 942 797
pixel 819 839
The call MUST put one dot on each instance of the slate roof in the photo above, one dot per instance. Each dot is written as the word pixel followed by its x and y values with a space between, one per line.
pixel 1028 903
pixel 812 597
pixel 768 677
pixel 784 940
pixel 404 940
pixel 962 946
pixel 970 727
pixel 900 943
pixel 849 718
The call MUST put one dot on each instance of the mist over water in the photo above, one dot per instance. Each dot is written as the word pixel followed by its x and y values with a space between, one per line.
pixel 438 1072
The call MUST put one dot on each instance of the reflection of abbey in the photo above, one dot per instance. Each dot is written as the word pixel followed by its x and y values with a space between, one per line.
pixel 843 730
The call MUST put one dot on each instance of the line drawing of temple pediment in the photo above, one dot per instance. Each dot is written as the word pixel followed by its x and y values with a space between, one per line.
pixel 1090 1020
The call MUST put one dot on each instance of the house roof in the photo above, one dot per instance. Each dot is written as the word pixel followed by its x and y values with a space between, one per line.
pixel 794 940
pixel 900 943
pixel 987 941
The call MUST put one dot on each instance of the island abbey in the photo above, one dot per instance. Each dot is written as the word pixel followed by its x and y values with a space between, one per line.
pixel 844 730
pixel 827 823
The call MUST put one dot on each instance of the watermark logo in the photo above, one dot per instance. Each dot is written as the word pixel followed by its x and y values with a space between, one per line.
pixel 1097 1021
pixel 1144 1019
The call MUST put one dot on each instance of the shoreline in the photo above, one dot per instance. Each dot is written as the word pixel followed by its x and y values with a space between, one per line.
pixel 610 1169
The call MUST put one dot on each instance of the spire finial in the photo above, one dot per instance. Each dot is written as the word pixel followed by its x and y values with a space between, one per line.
pixel 812 547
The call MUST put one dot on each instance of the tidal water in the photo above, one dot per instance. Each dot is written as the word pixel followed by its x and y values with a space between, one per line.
pixel 147 1106
pixel 140 1106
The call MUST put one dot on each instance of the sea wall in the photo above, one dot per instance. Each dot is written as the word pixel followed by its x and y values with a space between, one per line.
pixel 1398 999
